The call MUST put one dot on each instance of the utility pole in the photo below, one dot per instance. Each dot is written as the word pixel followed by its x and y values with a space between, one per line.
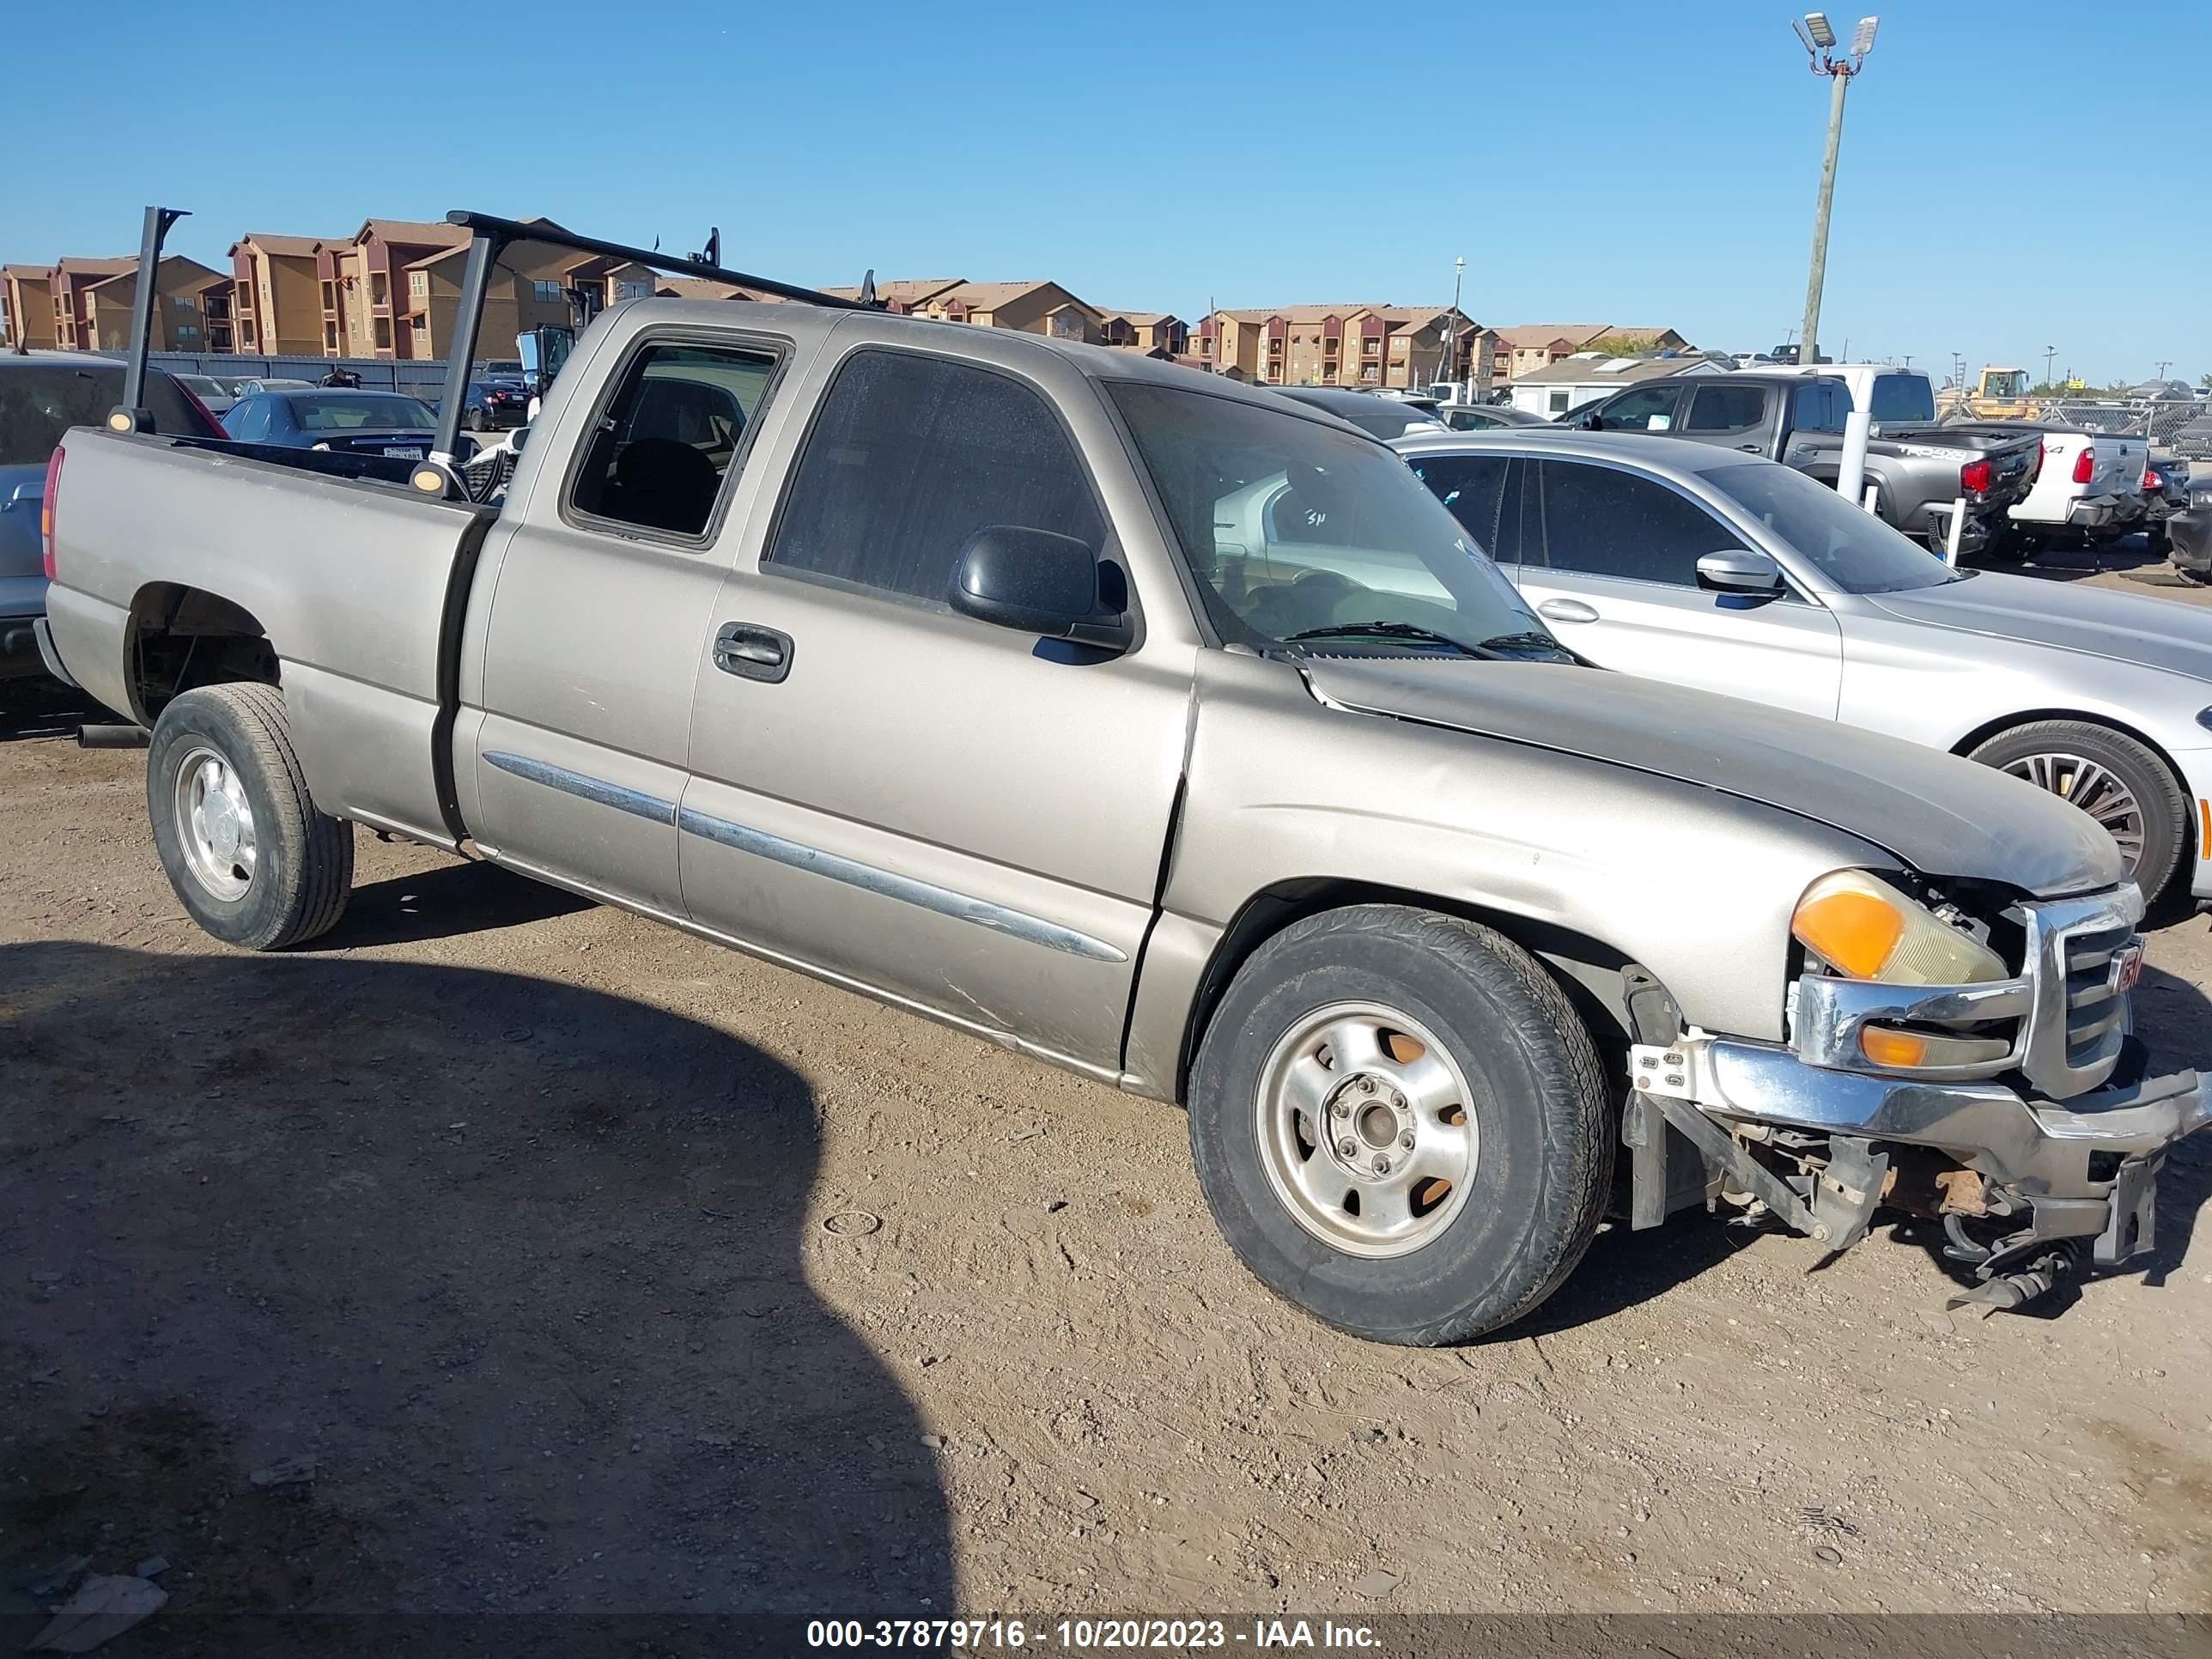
pixel 2048 354
pixel 1819 40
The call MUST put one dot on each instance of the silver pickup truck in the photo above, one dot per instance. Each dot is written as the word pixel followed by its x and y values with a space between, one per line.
pixel 935 661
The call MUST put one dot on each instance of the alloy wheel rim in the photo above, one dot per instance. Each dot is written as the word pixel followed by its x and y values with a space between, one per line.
pixel 215 825
pixel 2096 789
pixel 1367 1129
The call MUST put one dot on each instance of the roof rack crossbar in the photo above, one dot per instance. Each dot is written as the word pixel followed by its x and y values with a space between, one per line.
pixel 512 230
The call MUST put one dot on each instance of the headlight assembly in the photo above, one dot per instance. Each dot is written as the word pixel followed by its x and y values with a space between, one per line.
pixel 1865 928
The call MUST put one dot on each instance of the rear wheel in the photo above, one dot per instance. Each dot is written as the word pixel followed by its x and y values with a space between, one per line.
pixel 1401 1125
pixel 2116 780
pixel 250 855
pixel 479 420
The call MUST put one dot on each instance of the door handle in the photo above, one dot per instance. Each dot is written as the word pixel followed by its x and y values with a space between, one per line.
pixel 1567 610
pixel 1758 449
pixel 752 652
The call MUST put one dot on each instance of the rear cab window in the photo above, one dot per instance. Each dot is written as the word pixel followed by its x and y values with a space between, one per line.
pixel 41 400
pixel 665 444
pixel 912 454
pixel 1904 399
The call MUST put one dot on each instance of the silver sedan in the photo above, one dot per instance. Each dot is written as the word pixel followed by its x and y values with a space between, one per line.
pixel 1707 569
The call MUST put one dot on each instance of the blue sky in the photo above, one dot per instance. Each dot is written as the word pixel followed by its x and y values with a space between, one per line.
pixel 2009 181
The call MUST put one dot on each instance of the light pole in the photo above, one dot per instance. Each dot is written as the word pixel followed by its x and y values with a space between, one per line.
pixel 1819 40
pixel 1459 275
pixel 2048 354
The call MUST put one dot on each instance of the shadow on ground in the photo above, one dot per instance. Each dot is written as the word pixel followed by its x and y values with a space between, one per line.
pixel 518 1264
pixel 442 903
pixel 36 707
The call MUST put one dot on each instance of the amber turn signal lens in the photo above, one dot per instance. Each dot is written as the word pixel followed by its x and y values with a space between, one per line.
pixel 1856 931
pixel 1897 1049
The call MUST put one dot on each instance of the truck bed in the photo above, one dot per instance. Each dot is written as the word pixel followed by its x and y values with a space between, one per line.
pixel 280 534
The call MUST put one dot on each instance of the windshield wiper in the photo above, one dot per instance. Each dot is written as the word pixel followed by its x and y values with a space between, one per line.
pixel 1533 641
pixel 1390 630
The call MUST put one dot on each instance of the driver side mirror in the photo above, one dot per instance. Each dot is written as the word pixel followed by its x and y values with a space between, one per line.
pixel 1037 581
pixel 1739 570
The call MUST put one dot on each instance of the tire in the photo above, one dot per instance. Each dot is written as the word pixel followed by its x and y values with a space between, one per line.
pixel 477 420
pixel 1539 1124
pixel 2158 541
pixel 2051 754
pixel 289 865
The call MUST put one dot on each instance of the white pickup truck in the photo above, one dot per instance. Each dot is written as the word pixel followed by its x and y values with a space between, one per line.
pixel 2090 485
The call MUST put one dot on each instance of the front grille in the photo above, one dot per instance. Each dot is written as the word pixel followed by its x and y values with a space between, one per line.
pixel 2096 1013
pixel 2081 1018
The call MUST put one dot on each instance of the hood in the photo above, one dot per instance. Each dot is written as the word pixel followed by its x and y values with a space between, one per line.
pixel 1940 815
pixel 2132 627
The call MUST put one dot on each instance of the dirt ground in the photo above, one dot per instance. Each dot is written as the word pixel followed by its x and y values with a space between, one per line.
pixel 596 1268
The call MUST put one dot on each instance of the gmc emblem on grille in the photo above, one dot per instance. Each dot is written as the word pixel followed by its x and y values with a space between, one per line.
pixel 2127 969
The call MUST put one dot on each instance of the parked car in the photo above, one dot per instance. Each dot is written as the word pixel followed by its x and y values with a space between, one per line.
pixel 251 384
pixel 1380 417
pixel 42 395
pixel 215 395
pixel 920 659
pixel 2189 533
pixel 1707 568
pixel 1485 417
pixel 2166 492
pixel 335 418
pixel 495 404
pixel 1919 472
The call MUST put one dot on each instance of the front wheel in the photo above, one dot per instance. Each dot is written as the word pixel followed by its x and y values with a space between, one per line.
pixel 2111 776
pixel 1401 1125
pixel 251 856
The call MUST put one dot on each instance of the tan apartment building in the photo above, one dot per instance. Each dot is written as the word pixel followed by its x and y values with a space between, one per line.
pixel 531 295
pixel 104 303
pixel 902 295
pixel 26 306
pixel 1527 347
pixel 1032 308
pixel 1345 345
pixel 1155 333
pixel 277 305
pixel 361 281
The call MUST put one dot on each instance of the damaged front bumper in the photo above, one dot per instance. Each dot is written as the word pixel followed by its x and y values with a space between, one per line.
pixel 2085 1168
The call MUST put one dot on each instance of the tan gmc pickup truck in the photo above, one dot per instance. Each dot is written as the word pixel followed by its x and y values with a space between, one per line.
pixel 943 663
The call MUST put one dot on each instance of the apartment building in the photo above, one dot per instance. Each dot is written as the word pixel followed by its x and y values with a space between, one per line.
pixel 1527 347
pixel 89 302
pixel 531 292
pixel 276 304
pixel 903 294
pixel 360 282
pixel 1346 345
pixel 1155 333
pixel 27 309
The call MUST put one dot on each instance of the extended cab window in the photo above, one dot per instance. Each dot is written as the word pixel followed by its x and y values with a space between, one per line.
pixel 1648 409
pixel 910 456
pixel 1821 406
pixel 1603 522
pixel 1726 409
pixel 659 453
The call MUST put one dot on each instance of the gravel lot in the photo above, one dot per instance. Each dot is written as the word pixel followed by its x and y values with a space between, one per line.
pixel 596 1268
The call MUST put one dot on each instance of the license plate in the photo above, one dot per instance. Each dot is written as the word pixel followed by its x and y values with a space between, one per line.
pixel 411 455
pixel 2127 969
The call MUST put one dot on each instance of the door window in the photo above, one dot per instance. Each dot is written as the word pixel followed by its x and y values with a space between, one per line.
pixel 1474 488
pixel 1726 409
pixel 1601 521
pixel 910 456
pixel 1647 409
pixel 1821 406
pixel 659 453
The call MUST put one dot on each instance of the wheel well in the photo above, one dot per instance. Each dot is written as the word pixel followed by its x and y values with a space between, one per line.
pixel 1587 970
pixel 181 637
pixel 1988 729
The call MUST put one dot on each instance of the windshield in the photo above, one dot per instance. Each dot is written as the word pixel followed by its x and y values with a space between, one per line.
pixel 375 411
pixel 1292 528
pixel 1853 549
pixel 2006 383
